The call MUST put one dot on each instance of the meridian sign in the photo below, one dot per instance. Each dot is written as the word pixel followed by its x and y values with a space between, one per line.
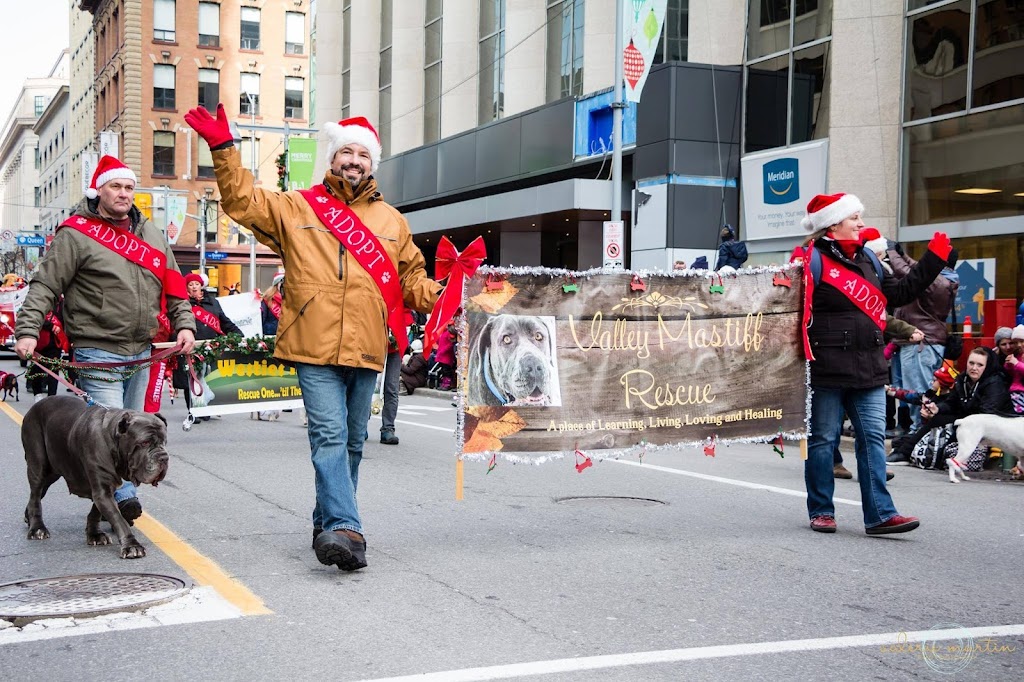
pixel 776 187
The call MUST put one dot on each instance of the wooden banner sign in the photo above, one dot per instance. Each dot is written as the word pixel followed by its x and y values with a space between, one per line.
pixel 623 359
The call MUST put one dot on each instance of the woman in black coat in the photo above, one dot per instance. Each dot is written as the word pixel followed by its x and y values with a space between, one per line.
pixel 982 389
pixel 845 325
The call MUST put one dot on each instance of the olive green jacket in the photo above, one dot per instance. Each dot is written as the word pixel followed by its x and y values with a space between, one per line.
pixel 110 303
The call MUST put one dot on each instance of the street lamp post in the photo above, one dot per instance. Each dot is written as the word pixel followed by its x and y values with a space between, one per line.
pixel 252 237
pixel 237 136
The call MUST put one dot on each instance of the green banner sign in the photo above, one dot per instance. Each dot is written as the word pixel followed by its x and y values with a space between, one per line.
pixel 301 156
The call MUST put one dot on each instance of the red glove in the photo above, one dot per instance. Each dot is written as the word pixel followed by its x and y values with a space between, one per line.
pixel 939 245
pixel 214 130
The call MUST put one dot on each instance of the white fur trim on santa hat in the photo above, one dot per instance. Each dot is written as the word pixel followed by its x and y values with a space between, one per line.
pixel 878 246
pixel 333 137
pixel 833 214
pixel 123 173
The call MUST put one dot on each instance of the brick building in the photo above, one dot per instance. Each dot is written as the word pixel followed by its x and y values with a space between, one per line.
pixel 155 60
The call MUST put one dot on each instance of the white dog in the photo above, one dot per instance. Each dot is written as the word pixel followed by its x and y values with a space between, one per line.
pixel 1005 432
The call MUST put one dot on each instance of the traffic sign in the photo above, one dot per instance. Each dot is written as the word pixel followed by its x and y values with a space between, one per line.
pixel 613 234
pixel 31 240
pixel 216 255
pixel 6 235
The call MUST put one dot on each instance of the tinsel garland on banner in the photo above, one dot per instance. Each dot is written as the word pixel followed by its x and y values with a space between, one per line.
pixel 207 352
pixel 640 449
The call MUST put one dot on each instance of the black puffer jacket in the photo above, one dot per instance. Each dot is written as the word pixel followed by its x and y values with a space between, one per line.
pixel 847 345
pixel 989 395
pixel 211 305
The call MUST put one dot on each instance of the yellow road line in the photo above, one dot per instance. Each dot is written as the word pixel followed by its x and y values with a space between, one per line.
pixel 203 570
pixel 11 412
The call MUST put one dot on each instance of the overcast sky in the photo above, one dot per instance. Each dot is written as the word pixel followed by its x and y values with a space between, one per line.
pixel 32 34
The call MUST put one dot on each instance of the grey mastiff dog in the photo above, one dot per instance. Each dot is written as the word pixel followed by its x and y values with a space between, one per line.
pixel 93 449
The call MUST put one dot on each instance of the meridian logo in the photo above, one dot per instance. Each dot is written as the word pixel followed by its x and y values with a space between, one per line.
pixel 781 181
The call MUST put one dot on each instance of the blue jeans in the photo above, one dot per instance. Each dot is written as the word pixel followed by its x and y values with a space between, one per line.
pixel 866 409
pixel 129 394
pixel 917 366
pixel 337 402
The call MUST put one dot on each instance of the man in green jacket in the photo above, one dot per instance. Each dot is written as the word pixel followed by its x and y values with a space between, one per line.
pixel 122 290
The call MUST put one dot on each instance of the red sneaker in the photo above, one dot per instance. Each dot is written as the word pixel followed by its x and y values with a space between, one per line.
pixel 897 524
pixel 823 524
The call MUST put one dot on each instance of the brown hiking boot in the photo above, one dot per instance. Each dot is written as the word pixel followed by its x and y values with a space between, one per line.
pixel 839 471
pixel 345 549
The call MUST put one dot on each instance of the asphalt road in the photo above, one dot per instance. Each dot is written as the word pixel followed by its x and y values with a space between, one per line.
pixel 712 575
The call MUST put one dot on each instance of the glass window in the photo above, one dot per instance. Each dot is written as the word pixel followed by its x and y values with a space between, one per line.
pixel 293 89
pixel 384 76
pixel 767 27
pixel 39 105
pixel 767 86
pixel 674 41
pixel 163 86
pixel 937 48
pixel 163 20
pixel 384 129
pixel 964 168
pixel 564 75
pixel 205 156
pixel 784 108
pixel 209 89
pixel 812 19
pixel 998 72
pixel 432 72
pixel 249 95
pixel 209 24
pixel 163 153
pixel 433 11
pixel 492 16
pixel 250 29
pixel 294 33
pixel 432 42
pixel 809 100
pixel 491 104
pixel 432 103
pixel 346 60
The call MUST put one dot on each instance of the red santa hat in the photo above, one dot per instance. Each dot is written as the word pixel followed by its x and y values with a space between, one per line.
pixel 872 239
pixel 825 210
pixel 108 169
pixel 196 277
pixel 334 136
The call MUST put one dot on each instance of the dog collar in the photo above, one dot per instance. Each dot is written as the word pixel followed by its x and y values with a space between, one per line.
pixel 490 383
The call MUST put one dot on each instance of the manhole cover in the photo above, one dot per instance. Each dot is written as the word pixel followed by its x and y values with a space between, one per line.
pixel 610 501
pixel 85 595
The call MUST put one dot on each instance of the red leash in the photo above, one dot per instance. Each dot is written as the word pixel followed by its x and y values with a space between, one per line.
pixel 157 357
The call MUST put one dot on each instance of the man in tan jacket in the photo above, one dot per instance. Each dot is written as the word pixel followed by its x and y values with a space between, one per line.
pixel 351 264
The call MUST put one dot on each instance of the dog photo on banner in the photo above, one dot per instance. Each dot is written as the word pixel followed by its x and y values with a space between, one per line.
pixel 553 362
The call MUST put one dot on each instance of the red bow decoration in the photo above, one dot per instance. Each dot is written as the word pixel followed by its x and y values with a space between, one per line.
pixel 456 267
pixel 779 446
pixel 582 461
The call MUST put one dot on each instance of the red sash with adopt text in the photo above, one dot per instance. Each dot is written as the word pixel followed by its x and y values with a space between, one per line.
pixel 364 246
pixel 862 293
pixel 207 318
pixel 141 253
pixel 152 260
